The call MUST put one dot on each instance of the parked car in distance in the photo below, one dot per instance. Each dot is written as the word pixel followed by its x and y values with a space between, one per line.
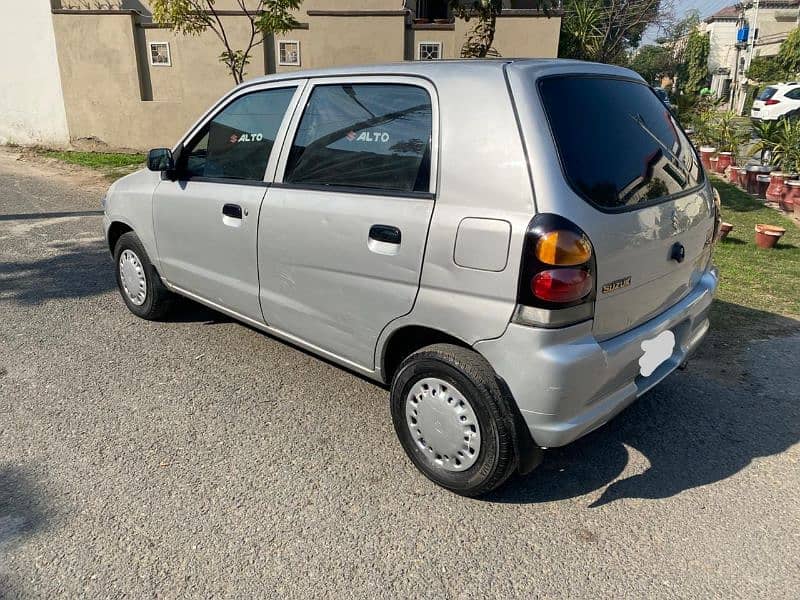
pixel 777 101
pixel 515 285
pixel 663 96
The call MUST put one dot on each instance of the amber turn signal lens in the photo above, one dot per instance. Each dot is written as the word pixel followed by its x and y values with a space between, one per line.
pixel 563 248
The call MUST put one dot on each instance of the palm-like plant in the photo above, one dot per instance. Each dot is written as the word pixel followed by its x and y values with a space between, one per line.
pixel 768 133
pixel 787 148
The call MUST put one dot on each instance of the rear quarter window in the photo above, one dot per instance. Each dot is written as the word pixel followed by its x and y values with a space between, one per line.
pixel 767 93
pixel 618 144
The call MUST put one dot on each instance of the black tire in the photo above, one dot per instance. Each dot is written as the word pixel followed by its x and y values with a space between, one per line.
pixel 469 373
pixel 158 299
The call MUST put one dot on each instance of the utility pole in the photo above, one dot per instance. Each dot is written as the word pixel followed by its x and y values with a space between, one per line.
pixel 754 35
pixel 740 23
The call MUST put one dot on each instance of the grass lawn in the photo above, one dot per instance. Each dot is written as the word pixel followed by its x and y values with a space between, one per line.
pixel 759 290
pixel 112 164
pixel 97 160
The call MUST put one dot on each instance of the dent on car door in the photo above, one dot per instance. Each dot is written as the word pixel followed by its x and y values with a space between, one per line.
pixel 206 220
pixel 342 235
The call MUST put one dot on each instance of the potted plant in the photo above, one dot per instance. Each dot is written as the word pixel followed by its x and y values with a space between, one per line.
pixel 767 236
pixel 787 150
pixel 730 132
pixel 704 132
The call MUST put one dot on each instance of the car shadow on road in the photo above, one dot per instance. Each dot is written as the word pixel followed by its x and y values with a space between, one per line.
pixel 79 270
pixel 21 514
pixel 694 429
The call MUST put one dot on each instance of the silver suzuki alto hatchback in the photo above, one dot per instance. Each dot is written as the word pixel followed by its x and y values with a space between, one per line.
pixel 519 249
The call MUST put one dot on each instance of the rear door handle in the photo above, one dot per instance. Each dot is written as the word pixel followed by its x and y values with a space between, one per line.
pixel 385 233
pixel 234 211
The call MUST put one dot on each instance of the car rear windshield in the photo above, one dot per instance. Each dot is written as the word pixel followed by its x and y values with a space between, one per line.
pixel 767 93
pixel 619 145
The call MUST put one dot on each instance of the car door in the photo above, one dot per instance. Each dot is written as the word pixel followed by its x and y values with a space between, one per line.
pixel 206 220
pixel 343 229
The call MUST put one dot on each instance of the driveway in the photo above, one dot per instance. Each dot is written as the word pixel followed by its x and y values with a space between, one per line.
pixel 200 458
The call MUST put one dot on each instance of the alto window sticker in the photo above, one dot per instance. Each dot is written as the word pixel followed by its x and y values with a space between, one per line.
pixel 246 137
pixel 380 137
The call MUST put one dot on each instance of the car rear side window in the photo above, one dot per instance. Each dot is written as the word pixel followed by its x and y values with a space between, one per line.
pixel 767 93
pixel 793 94
pixel 372 136
pixel 238 141
pixel 619 145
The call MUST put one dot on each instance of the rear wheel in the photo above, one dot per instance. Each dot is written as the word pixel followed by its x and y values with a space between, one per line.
pixel 139 283
pixel 452 419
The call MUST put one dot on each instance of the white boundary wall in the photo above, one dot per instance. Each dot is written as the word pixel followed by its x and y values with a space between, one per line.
pixel 31 101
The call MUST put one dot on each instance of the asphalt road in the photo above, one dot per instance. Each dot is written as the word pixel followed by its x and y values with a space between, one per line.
pixel 200 458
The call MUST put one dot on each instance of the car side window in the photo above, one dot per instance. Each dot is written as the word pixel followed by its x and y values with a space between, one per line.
pixel 793 94
pixel 371 136
pixel 237 142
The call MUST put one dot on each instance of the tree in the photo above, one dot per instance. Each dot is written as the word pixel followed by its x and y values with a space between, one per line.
pixel 193 17
pixel 788 57
pixel 652 61
pixel 694 70
pixel 480 39
pixel 606 30
pixel 764 69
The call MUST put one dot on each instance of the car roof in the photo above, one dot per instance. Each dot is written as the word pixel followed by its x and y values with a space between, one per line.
pixel 433 69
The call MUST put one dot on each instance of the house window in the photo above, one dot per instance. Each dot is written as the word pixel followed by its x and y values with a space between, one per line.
pixel 159 54
pixel 289 53
pixel 430 50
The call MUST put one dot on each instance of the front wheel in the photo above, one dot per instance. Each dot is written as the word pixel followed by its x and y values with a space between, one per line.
pixel 452 419
pixel 139 283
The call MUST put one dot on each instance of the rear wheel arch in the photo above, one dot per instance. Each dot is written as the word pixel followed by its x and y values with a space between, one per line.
pixel 408 339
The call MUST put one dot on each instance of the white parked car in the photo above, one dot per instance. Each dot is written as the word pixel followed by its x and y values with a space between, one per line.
pixel 777 101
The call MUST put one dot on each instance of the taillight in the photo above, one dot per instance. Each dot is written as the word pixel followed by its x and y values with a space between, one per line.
pixel 562 285
pixel 564 248
pixel 771 102
pixel 557 274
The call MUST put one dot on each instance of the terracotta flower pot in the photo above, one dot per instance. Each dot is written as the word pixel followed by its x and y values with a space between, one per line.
pixel 792 196
pixel 776 190
pixel 767 236
pixel 714 161
pixel 762 185
pixel 705 156
pixel 741 178
pixel 733 175
pixel 725 161
pixel 724 230
pixel 753 171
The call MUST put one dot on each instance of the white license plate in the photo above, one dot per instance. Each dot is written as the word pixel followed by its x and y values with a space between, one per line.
pixel 656 351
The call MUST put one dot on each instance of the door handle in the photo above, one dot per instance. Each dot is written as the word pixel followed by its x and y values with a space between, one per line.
pixel 385 233
pixel 234 211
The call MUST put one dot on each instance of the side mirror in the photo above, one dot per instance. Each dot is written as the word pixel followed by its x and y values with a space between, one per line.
pixel 160 159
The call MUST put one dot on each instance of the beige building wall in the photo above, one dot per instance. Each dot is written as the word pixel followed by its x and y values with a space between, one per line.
pixel 114 95
pixel 340 40
pixel 516 37
pixel 722 44
pixel 775 21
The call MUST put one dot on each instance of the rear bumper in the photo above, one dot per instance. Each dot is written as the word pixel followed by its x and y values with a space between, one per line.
pixel 567 384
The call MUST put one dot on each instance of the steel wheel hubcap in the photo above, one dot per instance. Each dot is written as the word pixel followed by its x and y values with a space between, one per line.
pixel 443 425
pixel 131 275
